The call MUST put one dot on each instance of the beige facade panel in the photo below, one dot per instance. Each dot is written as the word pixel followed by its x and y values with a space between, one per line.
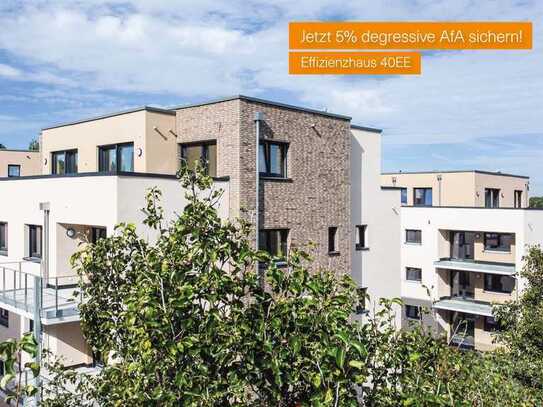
pixel 27 161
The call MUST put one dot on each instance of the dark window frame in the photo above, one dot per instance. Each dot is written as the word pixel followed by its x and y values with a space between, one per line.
pixel 499 247
pixel 412 312
pixel 118 157
pixel 517 194
pixel 98 233
pixel 283 147
pixel 70 167
pixel 204 153
pixel 265 237
pixel 333 240
pixel 403 196
pixel 4 238
pixel 418 269
pixel 18 167
pixel 418 233
pixel 361 238
pixel 425 189
pixel 4 317
pixel 491 286
pixel 33 252
pixel 494 201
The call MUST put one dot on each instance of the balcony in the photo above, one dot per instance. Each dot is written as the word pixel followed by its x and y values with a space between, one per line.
pixel 17 294
pixel 464 305
pixel 506 269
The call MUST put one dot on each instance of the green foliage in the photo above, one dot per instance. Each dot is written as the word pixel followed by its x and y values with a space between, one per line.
pixel 34 145
pixel 11 353
pixel 536 202
pixel 184 320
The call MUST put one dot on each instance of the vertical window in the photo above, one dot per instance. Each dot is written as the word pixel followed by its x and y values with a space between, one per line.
pixel 98 233
pixel 332 240
pixel 273 241
pixel 272 159
pixel 492 198
pixel 4 317
pixel 422 196
pixel 34 241
pixel 413 274
pixel 404 196
pixel 64 162
pixel 499 284
pixel 413 236
pixel 3 238
pixel 518 199
pixel 361 237
pixel 412 312
pixel 491 325
pixel 14 170
pixel 117 157
pixel 203 153
pixel 498 241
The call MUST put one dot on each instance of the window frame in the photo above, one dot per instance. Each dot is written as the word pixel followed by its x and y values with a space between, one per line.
pixel 361 237
pixel 417 280
pixel 403 194
pixel 33 230
pixel 333 240
pixel 4 238
pixel 204 154
pixel 96 234
pixel 283 244
pixel 4 317
pixel 117 147
pixel 495 200
pixel 499 236
pixel 425 189
pixel 493 289
pixel 417 232
pixel 66 153
pixel 18 166
pixel 417 316
pixel 517 194
pixel 284 147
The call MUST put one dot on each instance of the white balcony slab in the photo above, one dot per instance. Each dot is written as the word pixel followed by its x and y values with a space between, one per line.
pixel 479 267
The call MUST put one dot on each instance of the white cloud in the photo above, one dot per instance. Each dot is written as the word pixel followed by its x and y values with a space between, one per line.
pixel 9 71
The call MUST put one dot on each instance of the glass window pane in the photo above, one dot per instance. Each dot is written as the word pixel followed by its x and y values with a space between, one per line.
pixel 262 167
pixel 3 236
pixel 59 163
pixel 108 159
pixel 428 196
pixel 71 162
pixel 404 196
pixel 126 156
pixel 211 160
pixel 192 155
pixel 14 170
pixel 276 160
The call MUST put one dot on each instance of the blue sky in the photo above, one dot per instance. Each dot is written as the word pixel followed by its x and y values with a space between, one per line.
pixel 67 59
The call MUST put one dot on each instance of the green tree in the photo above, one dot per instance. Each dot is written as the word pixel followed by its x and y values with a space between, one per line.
pixel 536 202
pixel 34 145
pixel 2 146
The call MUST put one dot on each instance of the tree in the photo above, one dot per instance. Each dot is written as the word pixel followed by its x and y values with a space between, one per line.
pixel 34 145
pixel 536 202
pixel 2 146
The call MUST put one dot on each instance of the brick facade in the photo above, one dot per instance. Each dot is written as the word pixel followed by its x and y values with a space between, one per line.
pixel 316 194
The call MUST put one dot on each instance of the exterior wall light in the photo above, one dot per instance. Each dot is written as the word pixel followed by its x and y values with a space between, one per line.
pixel 140 152
pixel 70 232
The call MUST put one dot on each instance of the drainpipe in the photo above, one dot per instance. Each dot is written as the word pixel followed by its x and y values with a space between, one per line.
pixel 439 177
pixel 38 292
pixel 259 116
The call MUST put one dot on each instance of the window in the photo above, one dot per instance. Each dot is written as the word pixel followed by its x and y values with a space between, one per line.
pixel 205 153
pixel 34 241
pixel 332 239
pixel 492 198
pixel 518 199
pixel 361 237
pixel 403 193
pixel 413 236
pixel 272 159
pixel 273 241
pixel 3 238
pixel 491 325
pixel 413 274
pixel 412 312
pixel 422 197
pixel 4 317
pixel 499 284
pixel 64 162
pixel 498 241
pixel 14 170
pixel 98 233
pixel 117 157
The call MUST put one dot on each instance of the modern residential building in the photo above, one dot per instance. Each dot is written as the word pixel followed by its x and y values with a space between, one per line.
pixel 318 181
pixel 458 260
pixel 460 188
pixel 16 163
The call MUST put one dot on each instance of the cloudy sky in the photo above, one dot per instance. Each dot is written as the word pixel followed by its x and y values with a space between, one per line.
pixel 68 59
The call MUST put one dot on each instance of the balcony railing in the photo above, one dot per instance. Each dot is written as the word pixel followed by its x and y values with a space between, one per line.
pixel 17 292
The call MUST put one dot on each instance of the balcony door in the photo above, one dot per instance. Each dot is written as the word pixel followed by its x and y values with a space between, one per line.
pixel 462 284
pixel 462 245
pixel 463 329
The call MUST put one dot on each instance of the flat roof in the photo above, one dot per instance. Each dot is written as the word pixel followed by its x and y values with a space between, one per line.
pixel 263 101
pixel 16 150
pixel 503 174
pixel 365 128
pixel 119 113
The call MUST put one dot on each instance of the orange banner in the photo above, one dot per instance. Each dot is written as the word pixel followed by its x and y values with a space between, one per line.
pixel 354 63
pixel 410 35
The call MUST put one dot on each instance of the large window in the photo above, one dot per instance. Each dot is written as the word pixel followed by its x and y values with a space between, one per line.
pixel 274 241
pixel 361 241
pixel 518 199
pixel 498 241
pixel 403 192
pixel 498 283
pixel 4 317
pixel 332 240
pixel 413 274
pixel 34 241
pixel 204 153
pixel 412 312
pixel 64 162
pixel 492 198
pixel 116 157
pixel 272 160
pixel 413 236
pixel 3 238
pixel 422 196
pixel 14 170
pixel 491 325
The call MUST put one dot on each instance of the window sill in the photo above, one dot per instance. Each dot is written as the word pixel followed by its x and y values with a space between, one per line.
pixel 498 292
pixel 361 248
pixel 333 253
pixel 32 259
pixel 418 282
pixel 413 243
pixel 497 251
pixel 276 179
